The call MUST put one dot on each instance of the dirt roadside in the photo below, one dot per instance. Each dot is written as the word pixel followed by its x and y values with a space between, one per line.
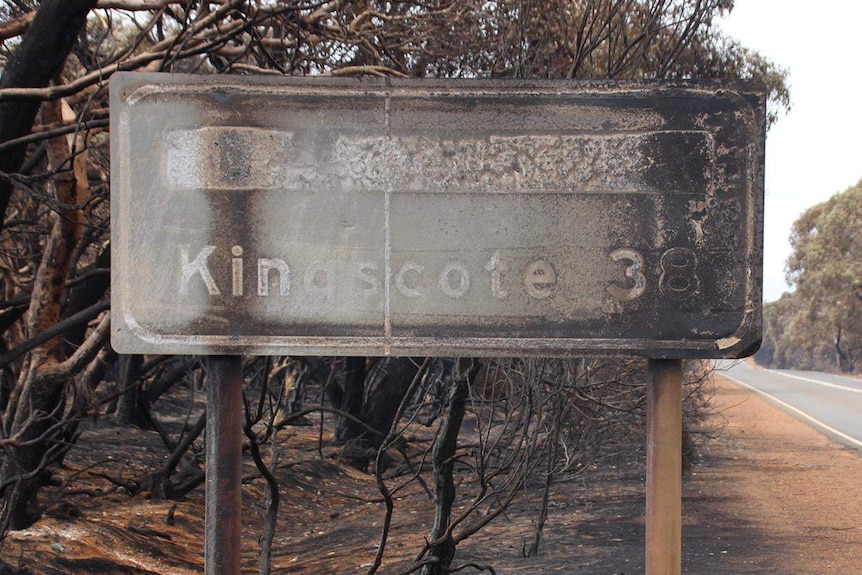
pixel 770 495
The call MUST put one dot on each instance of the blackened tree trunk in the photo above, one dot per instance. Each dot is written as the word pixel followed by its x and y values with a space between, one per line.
pixel 351 401
pixel 35 412
pixel 845 363
pixel 441 549
pixel 129 372
pixel 86 293
pixel 389 380
pixel 35 62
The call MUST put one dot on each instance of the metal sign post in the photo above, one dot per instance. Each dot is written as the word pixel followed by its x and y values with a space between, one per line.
pixel 483 218
pixel 223 522
pixel 664 468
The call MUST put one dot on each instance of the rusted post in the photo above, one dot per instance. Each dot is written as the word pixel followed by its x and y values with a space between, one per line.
pixel 664 468
pixel 223 535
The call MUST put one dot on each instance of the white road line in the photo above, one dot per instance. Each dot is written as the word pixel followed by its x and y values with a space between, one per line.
pixel 816 422
pixel 817 381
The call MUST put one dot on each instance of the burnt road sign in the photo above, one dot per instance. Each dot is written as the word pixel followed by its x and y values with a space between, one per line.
pixel 335 216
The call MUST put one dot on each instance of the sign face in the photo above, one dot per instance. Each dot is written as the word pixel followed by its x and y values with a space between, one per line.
pixel 368 217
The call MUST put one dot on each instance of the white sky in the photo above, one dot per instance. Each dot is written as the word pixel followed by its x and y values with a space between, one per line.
pixel 814 151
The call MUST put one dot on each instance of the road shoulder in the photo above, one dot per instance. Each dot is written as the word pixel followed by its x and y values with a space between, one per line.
pixel 772 495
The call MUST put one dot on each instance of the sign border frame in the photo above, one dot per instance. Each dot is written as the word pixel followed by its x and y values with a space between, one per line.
pixel 130 337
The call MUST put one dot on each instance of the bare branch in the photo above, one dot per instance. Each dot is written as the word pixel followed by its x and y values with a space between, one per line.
pixel 140 5
pixel 82 316
pixel 381 71
pixel 40 135
pixel 17 26
pixel 83 355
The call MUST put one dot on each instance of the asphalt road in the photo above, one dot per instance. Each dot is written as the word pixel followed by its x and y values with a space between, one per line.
pixel 832 404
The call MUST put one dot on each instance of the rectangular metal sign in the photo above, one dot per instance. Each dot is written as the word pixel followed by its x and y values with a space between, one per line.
pixel 334 216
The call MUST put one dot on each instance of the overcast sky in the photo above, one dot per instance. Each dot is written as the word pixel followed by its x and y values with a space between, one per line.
pixel 815 150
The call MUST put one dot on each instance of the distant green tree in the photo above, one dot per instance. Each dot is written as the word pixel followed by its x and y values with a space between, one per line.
pixel 787 339
pixel 819 326
pixel 826 268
